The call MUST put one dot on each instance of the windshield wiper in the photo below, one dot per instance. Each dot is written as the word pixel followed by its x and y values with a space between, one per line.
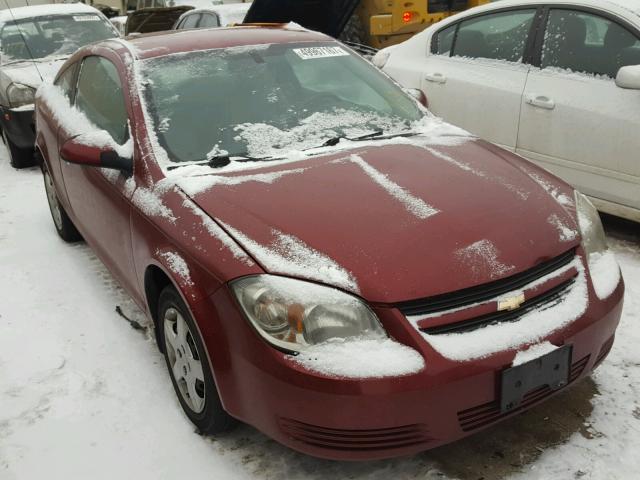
pixel 219 161
pixel 335 140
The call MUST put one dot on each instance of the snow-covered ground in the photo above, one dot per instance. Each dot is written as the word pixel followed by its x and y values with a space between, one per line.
pixel 85 396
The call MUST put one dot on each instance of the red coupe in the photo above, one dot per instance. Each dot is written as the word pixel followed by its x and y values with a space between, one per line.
pixel 321 257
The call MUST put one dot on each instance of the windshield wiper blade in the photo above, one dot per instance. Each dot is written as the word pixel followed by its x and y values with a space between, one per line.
pixel 335 140
pixel 219 161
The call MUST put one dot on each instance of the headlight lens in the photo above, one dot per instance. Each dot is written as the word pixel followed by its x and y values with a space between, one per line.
pixel 593 238
pixel 293 314
pixel 19 94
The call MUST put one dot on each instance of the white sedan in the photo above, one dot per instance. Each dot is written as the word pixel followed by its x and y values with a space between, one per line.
pixel 557 81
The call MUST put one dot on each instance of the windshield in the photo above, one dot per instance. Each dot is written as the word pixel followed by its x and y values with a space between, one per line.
pixel 266 100
pixel 51 35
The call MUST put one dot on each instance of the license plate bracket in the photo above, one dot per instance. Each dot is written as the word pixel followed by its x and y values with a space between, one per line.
pixel 551 369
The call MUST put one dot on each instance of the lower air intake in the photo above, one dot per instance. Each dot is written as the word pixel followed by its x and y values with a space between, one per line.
pixel 356 440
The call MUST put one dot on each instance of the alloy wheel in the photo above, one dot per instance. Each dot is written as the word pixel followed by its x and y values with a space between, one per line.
pixel 52 198
pixel 184 360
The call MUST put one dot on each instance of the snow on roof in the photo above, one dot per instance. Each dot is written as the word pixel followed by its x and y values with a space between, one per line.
pixel 631 6
pixel 20 13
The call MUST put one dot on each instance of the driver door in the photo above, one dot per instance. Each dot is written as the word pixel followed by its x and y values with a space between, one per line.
pixel 98 197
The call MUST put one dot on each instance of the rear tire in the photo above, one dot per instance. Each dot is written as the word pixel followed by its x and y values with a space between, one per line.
pixel 185 354
pixel 64 226
pixel 18 157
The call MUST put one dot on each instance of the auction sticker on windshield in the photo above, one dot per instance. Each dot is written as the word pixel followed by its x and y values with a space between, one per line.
pixel 86 18
pixel 320 52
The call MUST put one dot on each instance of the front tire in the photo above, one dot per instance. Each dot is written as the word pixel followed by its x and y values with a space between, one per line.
pixel 64 226
pixel 188 366
pixel 18 157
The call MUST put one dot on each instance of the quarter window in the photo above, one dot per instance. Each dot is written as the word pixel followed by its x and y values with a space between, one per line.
pixel 191 21
pixel 587 43
pixel 500 36
pixel 208 21
pixel 100 97
pixel 445 40
pixel 66 82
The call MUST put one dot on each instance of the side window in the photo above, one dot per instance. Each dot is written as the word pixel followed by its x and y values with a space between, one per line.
pixel 66 81
pixel 100 97
pixel 500 36
pixel 444 41
pixel 190 21
pixel 209 21
pixel 587 43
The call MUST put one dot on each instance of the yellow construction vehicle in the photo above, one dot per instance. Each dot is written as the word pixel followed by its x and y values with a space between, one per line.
pixel 377 23
pixel 393 21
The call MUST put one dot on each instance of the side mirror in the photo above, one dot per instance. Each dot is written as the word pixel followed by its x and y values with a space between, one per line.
pixel 418 95
pixel 83 150
pixel 629 77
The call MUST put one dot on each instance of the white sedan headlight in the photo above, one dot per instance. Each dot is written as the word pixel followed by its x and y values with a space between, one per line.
pixel 20 95
pixel 293 314
pixel 593 237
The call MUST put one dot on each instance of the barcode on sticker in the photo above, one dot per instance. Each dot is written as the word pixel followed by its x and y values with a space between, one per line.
pixel 320 52
pixel 86 18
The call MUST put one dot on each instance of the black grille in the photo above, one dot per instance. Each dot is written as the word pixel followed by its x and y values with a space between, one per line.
pixel 549 299
pixel 485 292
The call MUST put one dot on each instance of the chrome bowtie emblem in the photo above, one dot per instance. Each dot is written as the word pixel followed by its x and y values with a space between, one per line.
pixel 511 303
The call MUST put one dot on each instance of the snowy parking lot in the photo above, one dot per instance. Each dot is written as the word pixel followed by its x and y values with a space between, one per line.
pixel 85 396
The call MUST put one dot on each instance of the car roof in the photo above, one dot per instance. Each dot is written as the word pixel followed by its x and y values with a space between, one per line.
pixel 21 13
pixel 618 6
pixel 182 41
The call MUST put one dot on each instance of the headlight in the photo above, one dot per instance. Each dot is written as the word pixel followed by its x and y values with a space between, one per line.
pixel 593 237
pixel 293 314
pixel 19 94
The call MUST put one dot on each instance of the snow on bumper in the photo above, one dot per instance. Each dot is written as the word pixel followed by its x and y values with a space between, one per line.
pixel 368 418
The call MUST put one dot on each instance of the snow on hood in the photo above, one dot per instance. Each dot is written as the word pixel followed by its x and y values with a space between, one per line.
pixel 389 218
pixel 33 74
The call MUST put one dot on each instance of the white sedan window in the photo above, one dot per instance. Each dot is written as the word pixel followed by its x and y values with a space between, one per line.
pixel 500 36
pixel 586 43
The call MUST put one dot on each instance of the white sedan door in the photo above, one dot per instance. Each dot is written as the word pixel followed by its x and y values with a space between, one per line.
pixel 475 76
pixel 575 121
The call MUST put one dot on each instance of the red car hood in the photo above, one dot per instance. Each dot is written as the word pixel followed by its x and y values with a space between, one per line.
pixel 394 222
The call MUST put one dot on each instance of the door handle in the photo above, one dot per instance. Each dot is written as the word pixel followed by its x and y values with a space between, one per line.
pixel 435 78
pixel 541 101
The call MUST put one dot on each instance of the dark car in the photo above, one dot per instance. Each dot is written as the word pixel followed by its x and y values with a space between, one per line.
pixel 321 257
pixel 34 42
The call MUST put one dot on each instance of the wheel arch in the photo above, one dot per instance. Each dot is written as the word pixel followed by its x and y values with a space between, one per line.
pixel 155 280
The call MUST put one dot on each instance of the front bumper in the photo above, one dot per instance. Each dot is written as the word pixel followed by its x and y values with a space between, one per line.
pixel 19 125
pixel 378 418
